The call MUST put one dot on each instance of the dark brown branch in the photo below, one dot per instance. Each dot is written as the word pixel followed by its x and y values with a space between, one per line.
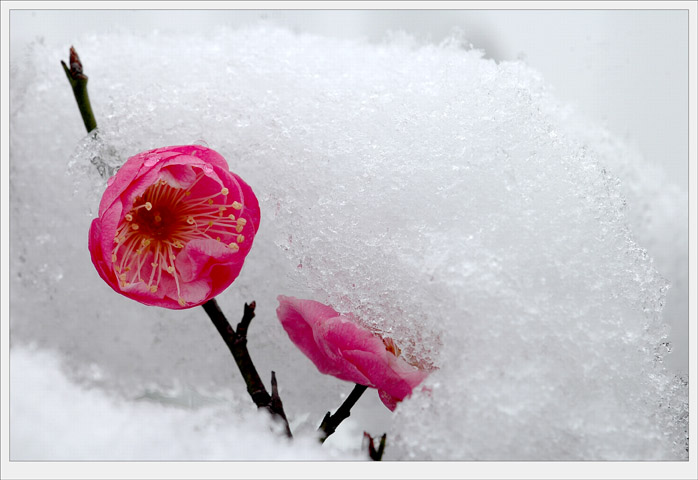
pixel 375 454
pixel 78 80
pixel 331 422
pixel 237 344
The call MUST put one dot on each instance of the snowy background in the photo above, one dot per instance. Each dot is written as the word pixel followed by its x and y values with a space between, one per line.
pixel 507 200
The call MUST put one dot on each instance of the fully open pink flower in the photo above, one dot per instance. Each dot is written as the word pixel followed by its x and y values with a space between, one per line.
pixel 174 227
pixel 338 346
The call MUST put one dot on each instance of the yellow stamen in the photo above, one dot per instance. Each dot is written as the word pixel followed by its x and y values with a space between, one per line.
pixel 148 206
pixel 237 205
pixel 240 239
pixel 224 191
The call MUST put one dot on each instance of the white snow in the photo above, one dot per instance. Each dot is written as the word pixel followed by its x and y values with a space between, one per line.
pixel 444 198
pixel 88 424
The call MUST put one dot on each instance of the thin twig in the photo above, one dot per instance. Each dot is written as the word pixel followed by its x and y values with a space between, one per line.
pixel 276 404
pixel 331 422
pixel 237 344
pixel 375 454
pixel 78 80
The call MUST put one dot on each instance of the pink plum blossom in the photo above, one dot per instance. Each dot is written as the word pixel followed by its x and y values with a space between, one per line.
pixel 338 346
pixel 174 227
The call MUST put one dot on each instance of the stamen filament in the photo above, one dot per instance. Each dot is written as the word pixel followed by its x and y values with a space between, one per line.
pixel 162 221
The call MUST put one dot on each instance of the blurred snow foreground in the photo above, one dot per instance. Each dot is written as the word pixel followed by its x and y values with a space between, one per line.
pixel 443 198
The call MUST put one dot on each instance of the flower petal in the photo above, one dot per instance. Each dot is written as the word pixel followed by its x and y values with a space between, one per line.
pixel 299 318
pixel 178 175
pixel 199 256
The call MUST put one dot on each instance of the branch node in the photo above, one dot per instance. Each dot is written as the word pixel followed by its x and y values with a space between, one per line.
pixel 331 422
pixel 237 344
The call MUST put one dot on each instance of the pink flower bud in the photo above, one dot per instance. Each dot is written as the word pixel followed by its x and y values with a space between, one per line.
pixel 174 227
pixel 338 346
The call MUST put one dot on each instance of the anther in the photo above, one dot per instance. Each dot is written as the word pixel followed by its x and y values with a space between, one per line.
pixel 135 226
pixel 187 193
pixel 210 201
pixel 237 205
pixel 210 223
pixel 239 228
pixel 182 302
pixel 113 257
pixel 231 216
pixel 171 269
pixel 129 217
pixel 240 239
pixel 154 288
pixel 145 242
pixel 234 247
pixel 177 244
pixel 224 191
pixel 148 206
pixel 190 220
pixel 242 221
pixel 154 265
pixel 158 218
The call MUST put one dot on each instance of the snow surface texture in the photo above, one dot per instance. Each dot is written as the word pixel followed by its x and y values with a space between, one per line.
pixel 443 198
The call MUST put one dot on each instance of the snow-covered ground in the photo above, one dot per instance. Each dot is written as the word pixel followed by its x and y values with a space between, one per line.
pixel 443 197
